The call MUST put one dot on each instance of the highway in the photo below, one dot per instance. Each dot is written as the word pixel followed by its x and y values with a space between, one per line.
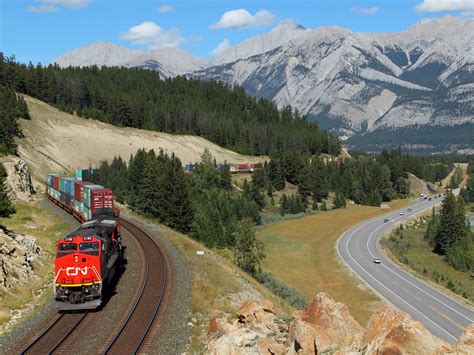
pixel 444 316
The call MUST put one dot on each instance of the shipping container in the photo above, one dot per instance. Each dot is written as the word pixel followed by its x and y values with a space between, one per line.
pixel 65 198
pixel 69 186
pixel 84 174
pixel 102 204
pixel 51 179
pixel 77 206
pixel 86 199
pixel 57 178
pixel 79 189
pixel 54 193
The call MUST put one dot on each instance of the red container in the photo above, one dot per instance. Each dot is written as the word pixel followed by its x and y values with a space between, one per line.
pixel 78 189
pixel 56 182
pixel 102 199
pixel 242 166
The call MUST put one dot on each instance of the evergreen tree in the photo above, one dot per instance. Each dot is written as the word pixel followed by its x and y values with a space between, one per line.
pixel 339 201
pixel 248 251
pixel 284 205
pixel 6 207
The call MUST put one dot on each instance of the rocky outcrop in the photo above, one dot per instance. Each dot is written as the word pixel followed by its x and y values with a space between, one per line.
pixel 391 331
pixel 19 256
pixel 323 326
pixel 326 326
pixel 19 184
pixel 255 331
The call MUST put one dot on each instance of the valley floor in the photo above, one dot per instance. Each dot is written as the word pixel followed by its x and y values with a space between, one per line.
pixel 302 253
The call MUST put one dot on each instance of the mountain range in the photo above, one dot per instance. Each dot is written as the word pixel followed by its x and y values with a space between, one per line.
pixel 363 87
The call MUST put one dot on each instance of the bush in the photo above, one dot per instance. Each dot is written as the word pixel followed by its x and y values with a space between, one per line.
pixel 290 295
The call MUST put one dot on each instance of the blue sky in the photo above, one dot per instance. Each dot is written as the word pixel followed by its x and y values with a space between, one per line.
pixel 41 30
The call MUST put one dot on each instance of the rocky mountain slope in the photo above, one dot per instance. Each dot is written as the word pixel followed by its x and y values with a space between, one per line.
pixel 169 62
pixel 354 84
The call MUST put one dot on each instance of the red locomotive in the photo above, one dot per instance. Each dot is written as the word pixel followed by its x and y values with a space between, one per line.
pixel 86 261
pixel 88 258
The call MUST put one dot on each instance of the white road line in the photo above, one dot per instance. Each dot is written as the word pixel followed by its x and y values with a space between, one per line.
pixel 403 278
pixel 388 289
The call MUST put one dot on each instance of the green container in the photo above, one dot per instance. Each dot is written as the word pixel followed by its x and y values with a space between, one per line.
pixel 63 185
pixel 87 193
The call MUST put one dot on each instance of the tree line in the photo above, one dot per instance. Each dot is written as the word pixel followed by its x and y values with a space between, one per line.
pixel 449 233
pixel 467 192
pixel 12 107
pixel 202 204
pixel 138 98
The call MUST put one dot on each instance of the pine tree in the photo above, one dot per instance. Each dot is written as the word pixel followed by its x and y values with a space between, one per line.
pixel 248 251
pixel 284 205
pixel 6 207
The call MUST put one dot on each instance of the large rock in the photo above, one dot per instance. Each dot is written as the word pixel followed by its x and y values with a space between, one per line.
pixel 19 255
pixel 19 184
pixel 324 325
pixel 254 332
pixel 391 331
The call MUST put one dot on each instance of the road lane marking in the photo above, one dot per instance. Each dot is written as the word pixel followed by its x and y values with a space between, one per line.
pixel 405 279
pixel 400 298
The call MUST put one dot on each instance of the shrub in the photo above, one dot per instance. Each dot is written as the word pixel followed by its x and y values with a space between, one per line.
pixel 290 295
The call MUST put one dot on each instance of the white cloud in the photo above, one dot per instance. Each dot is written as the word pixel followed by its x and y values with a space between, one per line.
pixel 56 5
pixel 241 18
pixel 164 9
pixel 445 5
pixel 153 36
pixel 221 48
pixel 365 10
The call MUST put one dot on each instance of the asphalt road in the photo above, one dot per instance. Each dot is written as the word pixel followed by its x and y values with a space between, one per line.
pixel 441 314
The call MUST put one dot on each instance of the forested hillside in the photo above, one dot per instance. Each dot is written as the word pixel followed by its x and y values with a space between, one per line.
pixel 138 98
pixel 11 108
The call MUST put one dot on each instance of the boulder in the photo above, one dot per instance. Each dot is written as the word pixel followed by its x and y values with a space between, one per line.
pixel 19 184
pixel 324 325
pixel 391 331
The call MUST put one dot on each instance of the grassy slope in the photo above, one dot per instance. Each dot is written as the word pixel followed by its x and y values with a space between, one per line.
pixel 49 230
pixel 414 252
pixel 216 280
pixel 56 141
pixel 302 253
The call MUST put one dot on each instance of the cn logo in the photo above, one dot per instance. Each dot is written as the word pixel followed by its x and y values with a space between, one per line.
pixel 74 271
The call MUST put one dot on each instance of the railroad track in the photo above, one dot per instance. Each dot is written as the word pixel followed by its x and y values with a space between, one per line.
pixel 55 334
pixel 130 336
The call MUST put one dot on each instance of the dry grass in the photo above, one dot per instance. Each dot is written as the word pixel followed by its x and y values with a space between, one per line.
pixel 60 142
pixel 48 232
pixel 302 253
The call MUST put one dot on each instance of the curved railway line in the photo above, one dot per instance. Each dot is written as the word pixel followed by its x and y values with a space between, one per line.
pixel 129 336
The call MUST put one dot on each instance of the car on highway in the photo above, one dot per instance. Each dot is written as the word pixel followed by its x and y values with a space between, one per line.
pixel 385 220
pixel 401 213
pixel 409 210
pixel 377 261
pixel 430 199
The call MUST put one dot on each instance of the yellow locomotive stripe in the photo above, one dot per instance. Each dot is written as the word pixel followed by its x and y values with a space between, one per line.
pixel 76 285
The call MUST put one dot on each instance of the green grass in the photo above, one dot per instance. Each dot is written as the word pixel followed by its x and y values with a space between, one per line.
pixel 48 231
pixel 414 251
pixel 302 253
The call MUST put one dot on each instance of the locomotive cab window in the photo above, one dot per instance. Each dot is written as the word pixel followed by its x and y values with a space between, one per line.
pixel 89 246
pixel 67 247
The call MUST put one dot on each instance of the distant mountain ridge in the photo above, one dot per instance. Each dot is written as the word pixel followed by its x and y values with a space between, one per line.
pixel 350 83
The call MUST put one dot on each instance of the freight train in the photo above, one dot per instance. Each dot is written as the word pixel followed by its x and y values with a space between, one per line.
pixel 233 168
pixel 87 258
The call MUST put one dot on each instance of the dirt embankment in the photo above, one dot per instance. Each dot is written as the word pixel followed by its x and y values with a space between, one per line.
pixel 56 141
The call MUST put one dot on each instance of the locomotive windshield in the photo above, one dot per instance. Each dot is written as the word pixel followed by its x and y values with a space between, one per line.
pixel 67 246
pixel 89 246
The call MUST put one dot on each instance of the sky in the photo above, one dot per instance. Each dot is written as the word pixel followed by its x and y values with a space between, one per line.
pixel 41 30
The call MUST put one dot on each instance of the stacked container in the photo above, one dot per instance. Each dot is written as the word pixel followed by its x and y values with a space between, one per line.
pixel 97 201
pixel 53 186
pixel 79 195
pixel 84 174
pixel 66 188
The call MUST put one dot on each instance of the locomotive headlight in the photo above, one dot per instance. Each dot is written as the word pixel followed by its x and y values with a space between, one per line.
pixel 76 258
